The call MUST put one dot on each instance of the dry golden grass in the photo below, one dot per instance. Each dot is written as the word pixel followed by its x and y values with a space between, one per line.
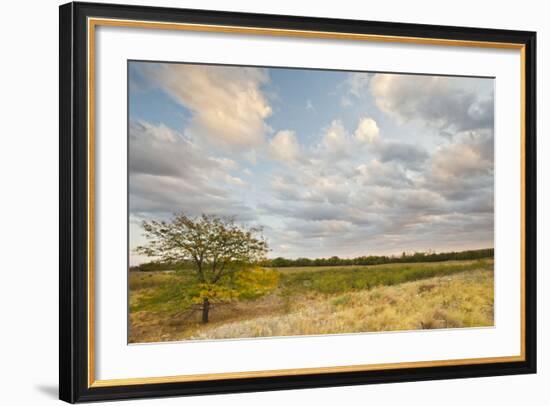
pixel 149 326
pixel 460 300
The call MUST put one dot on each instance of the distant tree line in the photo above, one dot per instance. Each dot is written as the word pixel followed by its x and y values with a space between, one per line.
pixel 162 266
pixel 281 262
pixel 381 259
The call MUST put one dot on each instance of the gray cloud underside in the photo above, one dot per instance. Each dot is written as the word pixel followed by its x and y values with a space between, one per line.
pixel 447 103
pixel 169 173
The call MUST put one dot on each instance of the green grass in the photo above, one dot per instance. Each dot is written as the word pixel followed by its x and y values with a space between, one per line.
pixel 345 279
pixel 161 291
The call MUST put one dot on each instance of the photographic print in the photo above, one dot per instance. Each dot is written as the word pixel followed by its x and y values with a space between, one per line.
pixel 269 202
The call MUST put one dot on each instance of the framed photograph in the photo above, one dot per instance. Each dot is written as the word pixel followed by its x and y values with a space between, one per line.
pixel 257 202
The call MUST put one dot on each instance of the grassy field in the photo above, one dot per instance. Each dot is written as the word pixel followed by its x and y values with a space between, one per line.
pixel 321 300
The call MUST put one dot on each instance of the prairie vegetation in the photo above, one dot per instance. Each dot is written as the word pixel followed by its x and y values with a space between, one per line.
pixel 317 300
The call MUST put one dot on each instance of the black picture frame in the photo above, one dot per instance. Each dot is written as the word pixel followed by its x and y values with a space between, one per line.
pixel 74 199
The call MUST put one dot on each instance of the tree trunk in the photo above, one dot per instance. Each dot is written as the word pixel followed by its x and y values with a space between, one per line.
pixel 205 310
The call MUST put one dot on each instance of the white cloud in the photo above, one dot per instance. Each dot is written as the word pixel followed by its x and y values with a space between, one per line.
pixel 159 150
pixel 335 141
pixel 329 189
pixel 464 168
pixel 283 189
pixel 170 173
pixel 449 104
pixel 284 146
pixel 227 103
pixel 227 164
pixel 375 173
pixel 367 130
pixel 235 181
pixel 470 155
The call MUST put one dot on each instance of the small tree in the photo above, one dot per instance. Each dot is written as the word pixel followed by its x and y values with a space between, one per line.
pixel 224 256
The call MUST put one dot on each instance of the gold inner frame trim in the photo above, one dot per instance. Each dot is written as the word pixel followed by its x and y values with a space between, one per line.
pixel 94 22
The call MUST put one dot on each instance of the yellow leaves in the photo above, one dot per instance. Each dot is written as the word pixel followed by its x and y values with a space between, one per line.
pixel 213 292
pixel 246 283
pixel 255 282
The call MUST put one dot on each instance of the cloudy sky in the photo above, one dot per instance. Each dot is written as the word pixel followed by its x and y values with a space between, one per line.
pixel 328 162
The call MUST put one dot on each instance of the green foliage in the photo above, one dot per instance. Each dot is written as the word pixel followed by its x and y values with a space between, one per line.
pixel 210 242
